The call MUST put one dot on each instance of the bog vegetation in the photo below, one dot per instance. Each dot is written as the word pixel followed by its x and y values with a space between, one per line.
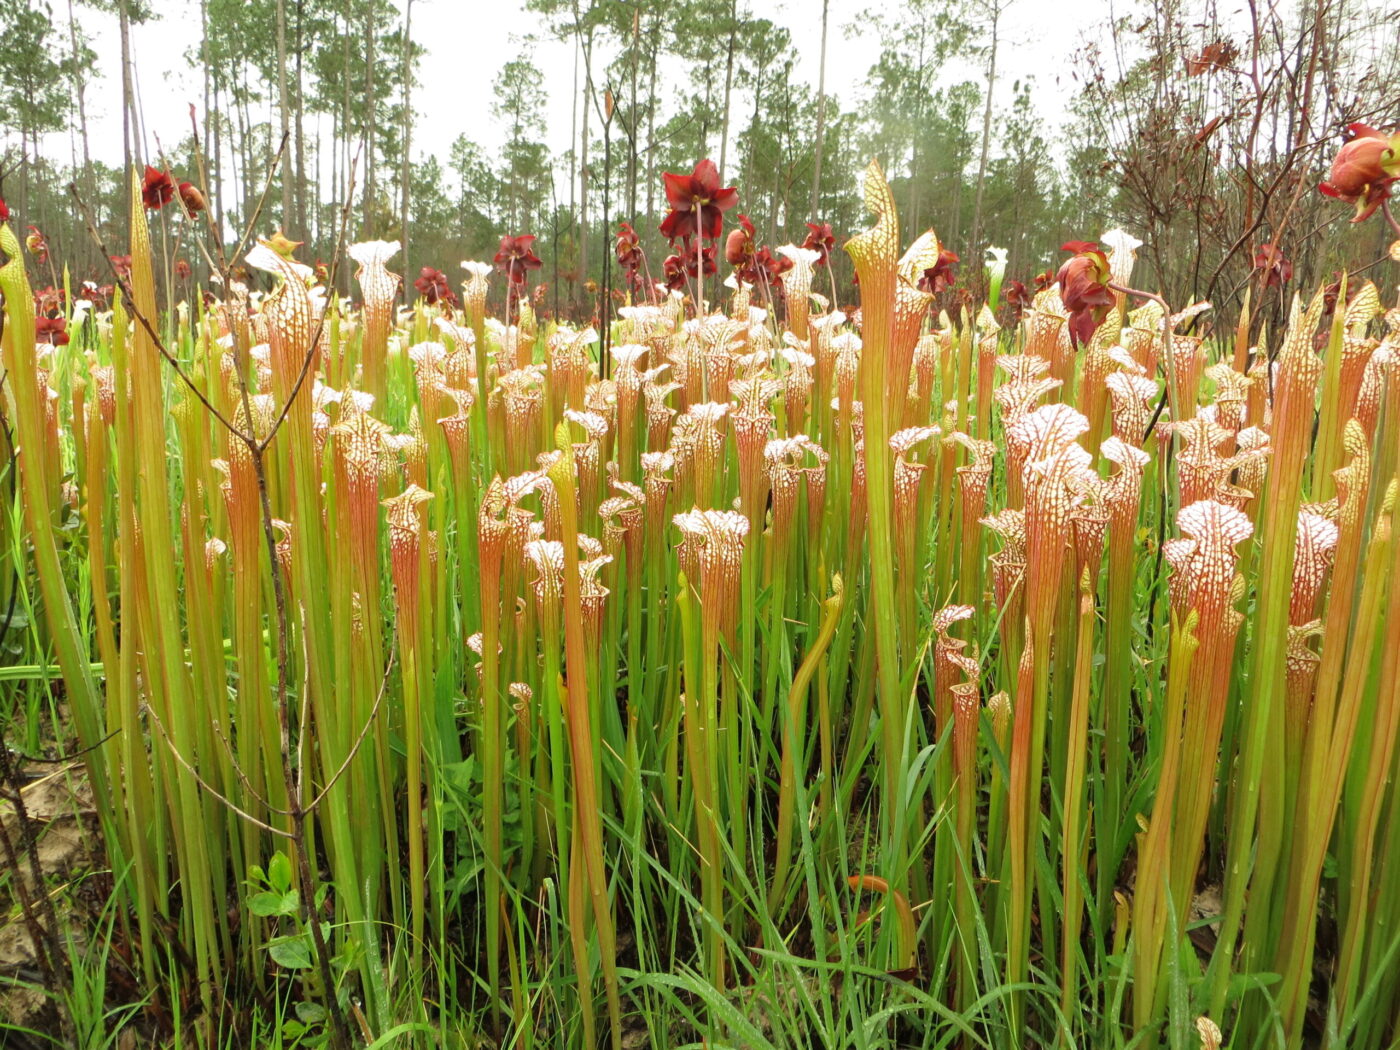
pixel 746 673
pixel 828 644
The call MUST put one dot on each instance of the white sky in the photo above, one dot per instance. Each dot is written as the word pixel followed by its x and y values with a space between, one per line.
pixel 467 40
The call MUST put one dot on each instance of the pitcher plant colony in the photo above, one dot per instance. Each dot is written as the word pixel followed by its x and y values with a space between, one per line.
pixel 737 670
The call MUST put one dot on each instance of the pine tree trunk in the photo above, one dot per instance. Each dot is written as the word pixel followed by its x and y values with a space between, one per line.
pixel 632 119
pixel 208 74
pixel 370 113
pixel 651 127
pixel 974 242
pixel 749 174
pixel 407 129
pixel 573 135
pixel 284 113
pixel 214 124
pixel 728 85
pixel 129 153
pixel 346 189
pixel 302 225
pixel 249 166
pixel 337 130
pixel 79 91
pixel 583 169
pixel 821 122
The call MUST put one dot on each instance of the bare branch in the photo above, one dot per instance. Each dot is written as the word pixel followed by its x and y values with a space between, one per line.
pixel 205 784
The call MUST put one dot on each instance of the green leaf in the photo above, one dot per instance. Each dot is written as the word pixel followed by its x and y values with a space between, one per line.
pixel 270 904
pixel 279 872
pixel 291 953
pixel 311 1013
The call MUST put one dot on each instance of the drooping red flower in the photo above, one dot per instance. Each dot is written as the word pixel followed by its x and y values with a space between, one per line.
pixel 4 211
pixel 940 275
pixel 51 330
pixel 673 272
pixel 1084 290
pixel 1017 298
pixel 1364 169
pixel 698 203
pixel 774 266
pixel 158 190
pixel 1331 293
pixel 821 240
pixel 628 248
pixel 695 257
pixel 1044 280
pixel 38 247
pixel 122 264
pixel 1273 265
pixel 433 287
pixel 516 257
pixel 182 269
pixel 192 199
pixel 738 245
pixel 767 269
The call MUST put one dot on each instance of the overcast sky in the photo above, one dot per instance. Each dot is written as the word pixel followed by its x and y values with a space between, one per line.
pixel 467 40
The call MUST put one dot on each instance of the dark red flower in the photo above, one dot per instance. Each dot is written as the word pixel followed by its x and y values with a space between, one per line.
pixel 1331 293
pixel 96 295
pixel 774 266
pixel 736 247
pixel 697 203
pixel 182 269
pixel 4 211
pixel 1273 265
pixel 739 248
pixel 192 199
pixel 51 330
pixel 432 286
pixel 695 257
pixel 673 272
pixel 940 275
pixel 1017 298
pixel 1364 169
pixel 1084 290
pixel 158 190
pixel 516 257
pixel 122 264
pixel 821 240
pixel 766 269
pixel 38 247
pixel 1044 280
pixel 628 248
